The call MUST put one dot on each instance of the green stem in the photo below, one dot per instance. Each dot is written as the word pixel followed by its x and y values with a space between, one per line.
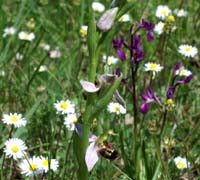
pixel 159 154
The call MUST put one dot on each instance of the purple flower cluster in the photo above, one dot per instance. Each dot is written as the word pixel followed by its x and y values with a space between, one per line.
pixel 148 97
pixel 185 80
pixel 134 46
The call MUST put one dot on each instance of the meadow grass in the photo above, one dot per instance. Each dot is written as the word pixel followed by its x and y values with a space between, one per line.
pixel 147 141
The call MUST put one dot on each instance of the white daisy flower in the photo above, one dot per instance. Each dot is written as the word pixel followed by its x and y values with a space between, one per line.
pixel 55 54
pixel 181 163
pixel 15 148
pixel 31 167
pixel 70 121
pixel 2 73
pixel 42 68
pixel 153 67
pixel 109 60
pixel 26 36
pixel 31 23
pixel 14 119
pixel 183 72
pixel 116 108
pixel 19 57
pixel 98 7
pixel 159 28
pixel 125 18
pixel 45 165
pixel 83 31
pixel 45 46
pixel 188 50
pixel 9 31
pixel 64 107
pixel 180 12
pixel 162 12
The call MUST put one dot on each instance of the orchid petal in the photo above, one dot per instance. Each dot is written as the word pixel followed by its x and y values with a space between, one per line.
pixel 89 87
pixel 144 108
pixel 91 156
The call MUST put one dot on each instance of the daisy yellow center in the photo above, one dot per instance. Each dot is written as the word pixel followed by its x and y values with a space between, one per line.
pixel 153 67
pixel 26 36
pixel 15 149
pixel 187 49
pixel 181 165
pixel 164 12
pixel 83 32
pixel 170 19
pixel 14 119
pixel 45 163
pixel 117 108
pixel 33 167
pixel 109 60
pixel 121 18
pixel 64 105
pixel 170 101
pixel 182 72
pixel 74 120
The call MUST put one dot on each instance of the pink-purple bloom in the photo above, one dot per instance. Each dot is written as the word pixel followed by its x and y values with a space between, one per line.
pixel 147 27
pixel 185 80
pixel 118 44
pixel 137 53
pixel 148 97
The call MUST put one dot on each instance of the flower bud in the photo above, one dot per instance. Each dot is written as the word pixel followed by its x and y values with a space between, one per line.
pixel 107 19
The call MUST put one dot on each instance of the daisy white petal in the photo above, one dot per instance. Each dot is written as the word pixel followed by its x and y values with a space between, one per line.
pixel 55 54
pixel 9 31
pixel 15 148
pixel 181 163
pixel 31 167
pixel 159 28
pixel 188 50
pixel 64 107
pixel 109 60
pixel 125 18
pixel 180 12
pixel 26 36
pixel 98 7
pixel 70 121
pixel 116 108
pixel 14 119
pixel 162 12
pixel 46 163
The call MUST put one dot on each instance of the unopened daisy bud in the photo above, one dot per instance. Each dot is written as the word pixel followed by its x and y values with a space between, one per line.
pixel 170 104
pixel 106 21
pixel 83 31
pixel 98 7
pixel 170 19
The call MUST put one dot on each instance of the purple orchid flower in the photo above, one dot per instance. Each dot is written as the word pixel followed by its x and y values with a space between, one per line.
pixel 149 28
pixel 148 97
pixel 177 67
pixel 117 44
pixel 137 53
pixel 185 81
